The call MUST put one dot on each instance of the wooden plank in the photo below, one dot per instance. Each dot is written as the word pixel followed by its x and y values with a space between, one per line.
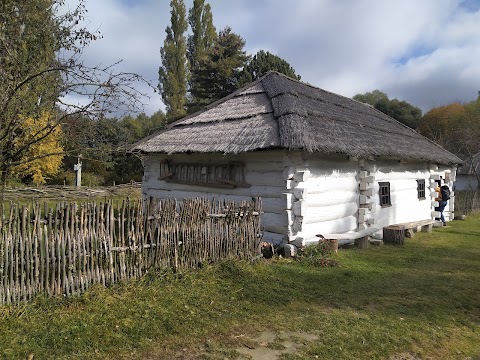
pixel 23 239
pixel 38 257
pixel 235 183
pixel 411 224
pixel 166 176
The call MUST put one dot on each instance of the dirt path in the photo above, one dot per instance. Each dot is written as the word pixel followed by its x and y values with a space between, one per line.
pixel 269 346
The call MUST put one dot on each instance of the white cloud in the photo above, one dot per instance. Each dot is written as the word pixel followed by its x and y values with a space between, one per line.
pixel 425 52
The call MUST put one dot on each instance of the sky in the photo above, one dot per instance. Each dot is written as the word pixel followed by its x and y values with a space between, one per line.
pixel 426 52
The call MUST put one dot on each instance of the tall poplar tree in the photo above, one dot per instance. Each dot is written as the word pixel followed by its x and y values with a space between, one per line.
pixel 200 45
pixel 173 72
pixel 203 32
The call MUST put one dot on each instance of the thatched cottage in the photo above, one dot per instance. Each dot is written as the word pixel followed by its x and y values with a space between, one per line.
pixel 322 163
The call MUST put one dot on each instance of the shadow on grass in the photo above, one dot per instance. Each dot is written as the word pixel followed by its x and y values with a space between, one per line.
pixel 475 234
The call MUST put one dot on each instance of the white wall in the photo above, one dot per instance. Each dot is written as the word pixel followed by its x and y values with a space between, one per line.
pixel 263 171
pixel 329 197
pixel 308 194
pixel 406 206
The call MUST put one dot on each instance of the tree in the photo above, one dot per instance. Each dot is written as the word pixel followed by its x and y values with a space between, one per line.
pixel 221 73
pixel 39 169
pixel 105 145
pixel 41 72
pixel 263 62
pixel 200 44
pixel 372 98
pixel 173 72
pixel 456 127
pixel 203 32
pixel 439 123
pixel 401 111
pixel 27 88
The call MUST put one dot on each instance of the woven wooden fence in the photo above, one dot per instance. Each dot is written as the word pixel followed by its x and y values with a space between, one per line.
pixel 65 250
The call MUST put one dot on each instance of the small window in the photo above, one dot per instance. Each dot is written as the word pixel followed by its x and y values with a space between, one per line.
pixel 228 175
pixel 421 189
pixel 384 194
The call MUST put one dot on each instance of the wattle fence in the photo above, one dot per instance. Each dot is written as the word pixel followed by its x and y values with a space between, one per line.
pixel 65 250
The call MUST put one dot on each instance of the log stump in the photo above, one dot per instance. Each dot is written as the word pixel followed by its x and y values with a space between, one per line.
pixel 333 245
pixel 362 243
pixel 394 235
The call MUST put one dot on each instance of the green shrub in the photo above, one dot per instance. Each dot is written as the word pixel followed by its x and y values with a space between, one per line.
pixel 318 254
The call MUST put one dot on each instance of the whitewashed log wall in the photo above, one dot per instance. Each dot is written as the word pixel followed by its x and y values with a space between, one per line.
pixel 263 171
pixel 406 206
pixel 308 194
pixel 324 198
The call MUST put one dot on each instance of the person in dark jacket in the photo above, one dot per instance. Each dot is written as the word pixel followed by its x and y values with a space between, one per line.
pixel 443 197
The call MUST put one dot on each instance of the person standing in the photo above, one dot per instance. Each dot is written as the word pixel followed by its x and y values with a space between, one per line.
pixel 443 197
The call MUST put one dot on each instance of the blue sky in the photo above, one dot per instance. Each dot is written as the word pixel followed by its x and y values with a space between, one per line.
pixel 426 52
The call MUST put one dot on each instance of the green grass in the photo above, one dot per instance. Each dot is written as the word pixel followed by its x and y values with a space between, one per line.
pixel 420 300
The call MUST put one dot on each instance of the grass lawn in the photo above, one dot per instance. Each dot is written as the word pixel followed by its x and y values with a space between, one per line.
pixel 418 301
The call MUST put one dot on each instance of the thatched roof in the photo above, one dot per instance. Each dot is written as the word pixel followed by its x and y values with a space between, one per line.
pixel 276 112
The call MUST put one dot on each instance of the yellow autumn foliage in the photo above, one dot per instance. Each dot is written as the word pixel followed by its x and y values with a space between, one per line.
pixel 43 158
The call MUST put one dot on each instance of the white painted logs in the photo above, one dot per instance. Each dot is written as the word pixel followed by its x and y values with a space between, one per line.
pixel 340 225
pixel 252 191
pixel 334 197
pixel 323 185
pixel 328 213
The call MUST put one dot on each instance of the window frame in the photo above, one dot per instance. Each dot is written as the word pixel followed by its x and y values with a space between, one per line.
pixel 384 196
pixel 421 192
pixel 220 175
